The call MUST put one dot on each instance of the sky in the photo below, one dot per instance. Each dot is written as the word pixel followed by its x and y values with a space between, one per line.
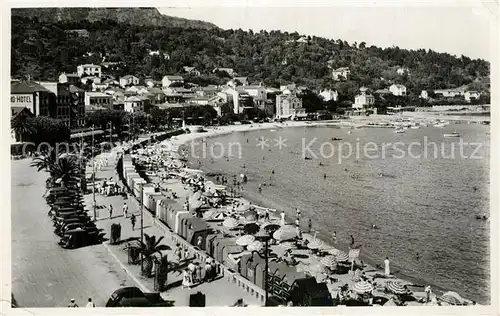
pixel 453 29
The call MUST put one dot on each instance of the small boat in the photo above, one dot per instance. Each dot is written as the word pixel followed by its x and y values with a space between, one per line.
pixel 414 127
pixel 273 130
pixel 307 158
pixel 454 134
pixel 399 130
pixel 440 125
pixel 349 132
pixel 336 138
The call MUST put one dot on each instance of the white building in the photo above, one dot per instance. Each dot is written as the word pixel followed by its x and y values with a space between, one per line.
pixel 69 78
pixel 127 80
pixel 98 99
pixel 329 94
pixel 340 73
pixel 363 101
pixel 398 89
pixel 424 95
pixel 240 98
pixel 401 71
pixel 471 95
pixel 289 106
pixel 258 93
pixel 168 80
pixel 89 70
pixel 135 104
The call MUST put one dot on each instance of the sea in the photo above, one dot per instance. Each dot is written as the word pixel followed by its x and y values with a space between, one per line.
pixel 421 190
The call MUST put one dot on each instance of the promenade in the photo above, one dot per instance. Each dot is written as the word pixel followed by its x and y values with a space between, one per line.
pixel 218 292
pixel 43 273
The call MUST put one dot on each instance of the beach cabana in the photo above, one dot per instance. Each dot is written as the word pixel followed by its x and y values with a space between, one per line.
pixel 256 267
pixel 244 264
pixel 219 247
pixel 179 217
pixel 197 228
pixel 172 207
pixel 138 187
pixel 308 292
pixel 130 179
pixel 147 190
pixel 154 202
pixel 210 243
pixel 231 249
pixel 281 279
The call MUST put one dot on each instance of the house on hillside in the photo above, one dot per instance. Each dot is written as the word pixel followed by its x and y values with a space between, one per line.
pixel 341 73
pixel 424 95
pixel 289 107
pixel 149 82
pixel 158 53
pixel 364 102
pixel 69 78
pixel 191 70
pixel 258 93
pixel 128 80
pixel 238 81
pixel 241 99
pixel 398 89
pixel 89 70
pixel 229 71
pixel 136 104
pixel 137 89
pixel 329 94
pixel 471 95
pixel 168 80
pixel 98 99
pixel 449 93
pixel 402 70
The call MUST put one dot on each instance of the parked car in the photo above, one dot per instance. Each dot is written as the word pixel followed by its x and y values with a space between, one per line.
pixel 134 297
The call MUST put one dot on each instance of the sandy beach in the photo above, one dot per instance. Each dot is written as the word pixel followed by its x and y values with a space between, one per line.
pixel 369 269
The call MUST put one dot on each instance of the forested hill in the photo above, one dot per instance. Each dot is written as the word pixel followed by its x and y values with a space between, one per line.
pixel 134 16
pixel 45 49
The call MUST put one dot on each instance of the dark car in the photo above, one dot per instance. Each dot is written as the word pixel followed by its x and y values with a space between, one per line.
pixel 134 297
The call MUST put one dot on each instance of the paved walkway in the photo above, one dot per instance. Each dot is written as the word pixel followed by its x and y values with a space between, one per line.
pixel 218 293
pixel 43 273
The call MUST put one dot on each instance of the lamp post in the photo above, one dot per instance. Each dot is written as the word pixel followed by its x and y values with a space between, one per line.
pixel 93 177
pixel 142 224
pixel 266 238
pixel 110 134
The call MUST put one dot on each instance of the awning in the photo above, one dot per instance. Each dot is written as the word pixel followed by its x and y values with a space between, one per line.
pixel 85 134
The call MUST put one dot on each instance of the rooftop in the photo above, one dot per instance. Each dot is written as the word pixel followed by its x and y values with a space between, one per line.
pixel 27 87
pixel 172 77
pixel 98 95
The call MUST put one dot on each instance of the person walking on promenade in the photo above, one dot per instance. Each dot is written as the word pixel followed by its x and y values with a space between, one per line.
pixel 352 241
pixel 282 223
pixel 310 225
pixel 178 253
pixel 298 213
pixel 334 237
pixel 125 210
pixel 132 220
pixel 90 303
pixel 267 214
pixel 208 271
pixel 387 268
pixel 73 303
pixel 110 211
pixel 297 222
pixel 428 293
pixel 214 270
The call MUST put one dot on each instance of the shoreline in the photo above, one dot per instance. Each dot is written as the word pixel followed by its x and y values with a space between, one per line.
pixel 184 139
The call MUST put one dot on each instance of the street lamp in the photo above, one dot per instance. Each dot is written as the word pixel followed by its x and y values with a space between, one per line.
pixel 266 237
pixel 142 224
pixel 93 176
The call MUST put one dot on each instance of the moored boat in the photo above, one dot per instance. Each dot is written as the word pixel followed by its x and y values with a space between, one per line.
pixel 454 134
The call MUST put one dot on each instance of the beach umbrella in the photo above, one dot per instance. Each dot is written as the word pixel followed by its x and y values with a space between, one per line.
pixel 243 208
pixel 231 223
pixel 395 287
pixel 362 287
pixel 271 228
pixel 315 244
pixel 452 298
pixel 245 240
pixel 329 261
pixel 251 229
pixel 342 256
pixel 255 246
pixel 250 216
pixel 285 233
pixel 318 268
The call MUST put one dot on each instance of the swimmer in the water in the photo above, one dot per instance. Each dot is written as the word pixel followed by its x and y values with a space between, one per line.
pixel 418 256
pixel 475 188
pixel 320 164
pixel 272 172
pixel 374 226
pixel 380 175
pixel 324 176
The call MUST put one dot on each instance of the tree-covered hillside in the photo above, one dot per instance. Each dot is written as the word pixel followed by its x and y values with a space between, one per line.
pixel 44 49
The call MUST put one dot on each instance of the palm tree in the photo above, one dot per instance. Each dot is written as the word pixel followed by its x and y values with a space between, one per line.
pixel 23 127
pixel 66 170
pixel 148 249
pixel 45 161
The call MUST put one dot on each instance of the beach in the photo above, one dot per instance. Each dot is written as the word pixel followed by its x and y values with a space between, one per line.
pixel 186 138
